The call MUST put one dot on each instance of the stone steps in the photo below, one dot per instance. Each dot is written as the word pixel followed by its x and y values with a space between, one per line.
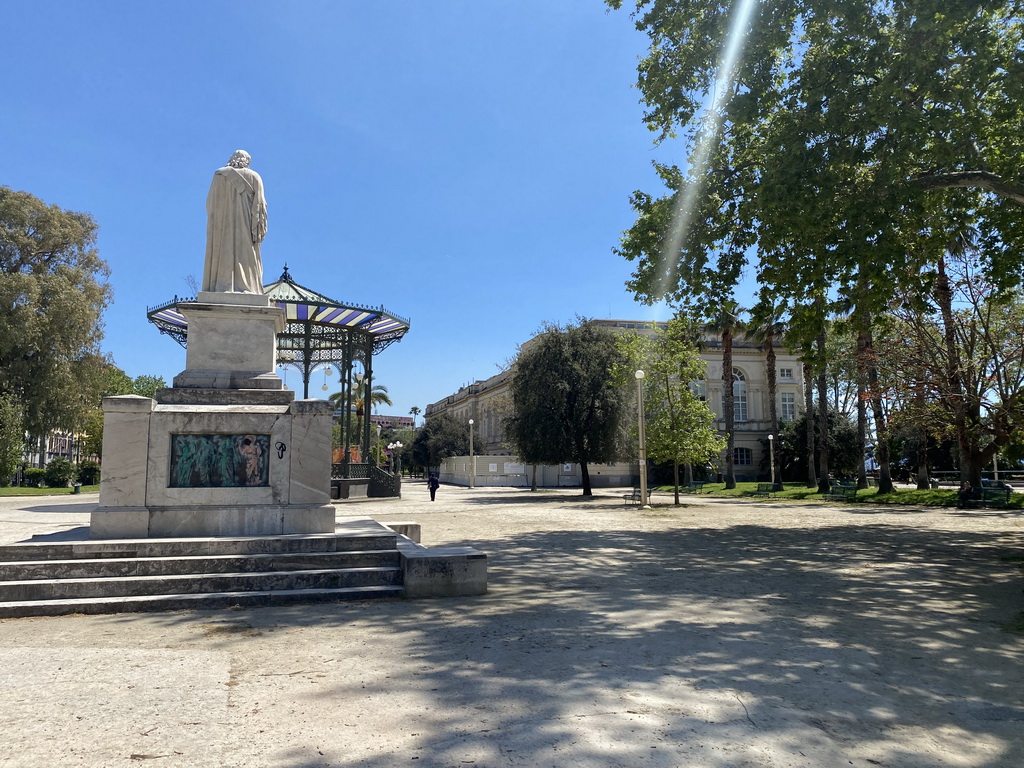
pixel 40 578
pixel 123 567
pixel 198 583
pixel 206 601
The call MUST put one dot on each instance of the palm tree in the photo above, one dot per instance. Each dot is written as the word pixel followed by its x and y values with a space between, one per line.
pixel 414 412
pixel 378 394
pixel 766 329
pixel 727 323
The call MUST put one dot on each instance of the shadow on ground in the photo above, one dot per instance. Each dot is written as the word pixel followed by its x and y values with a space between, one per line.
pixel 862 640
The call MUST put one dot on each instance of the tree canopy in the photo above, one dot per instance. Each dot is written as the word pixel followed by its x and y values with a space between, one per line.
pixel 842 151
pixel 52 295
pixel 440 437
pixel 114 381
pixel 567 405
pixel 12 436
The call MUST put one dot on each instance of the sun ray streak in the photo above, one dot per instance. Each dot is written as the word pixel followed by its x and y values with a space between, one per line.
pixel 710 135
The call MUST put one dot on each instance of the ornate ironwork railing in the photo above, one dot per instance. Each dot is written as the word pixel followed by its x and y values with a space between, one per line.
pixel 383 483
pixel 355 471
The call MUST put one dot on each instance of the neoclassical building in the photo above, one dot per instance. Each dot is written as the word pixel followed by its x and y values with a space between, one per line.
pixel 487 402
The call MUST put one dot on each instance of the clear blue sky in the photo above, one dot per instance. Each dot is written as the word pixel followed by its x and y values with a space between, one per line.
pixel 465 163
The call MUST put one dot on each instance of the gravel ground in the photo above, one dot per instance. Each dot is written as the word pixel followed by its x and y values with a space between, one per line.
pixel 761 633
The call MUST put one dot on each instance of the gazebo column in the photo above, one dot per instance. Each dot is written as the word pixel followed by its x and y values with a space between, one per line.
pixel 346 403
pixel 367 397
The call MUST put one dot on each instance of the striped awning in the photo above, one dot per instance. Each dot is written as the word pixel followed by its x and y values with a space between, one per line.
pixel 301 305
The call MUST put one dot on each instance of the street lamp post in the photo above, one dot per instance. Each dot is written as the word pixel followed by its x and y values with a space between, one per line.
pixel 771 457
pixel 472 464
pixel 643 439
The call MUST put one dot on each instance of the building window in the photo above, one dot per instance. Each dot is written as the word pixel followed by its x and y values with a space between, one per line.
pixel 700 389
pixel 739 395
pixel 788 410
pixel 786 373
pixel 742 457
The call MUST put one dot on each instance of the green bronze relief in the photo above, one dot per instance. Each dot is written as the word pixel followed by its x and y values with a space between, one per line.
pixel 220 461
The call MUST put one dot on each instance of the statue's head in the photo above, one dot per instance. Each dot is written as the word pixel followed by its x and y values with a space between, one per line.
pixel 240 159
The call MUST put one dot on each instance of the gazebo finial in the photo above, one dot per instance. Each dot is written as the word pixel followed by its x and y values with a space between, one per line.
pixel 285 276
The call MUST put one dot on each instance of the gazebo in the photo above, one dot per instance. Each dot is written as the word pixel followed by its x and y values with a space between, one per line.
pixel 320 333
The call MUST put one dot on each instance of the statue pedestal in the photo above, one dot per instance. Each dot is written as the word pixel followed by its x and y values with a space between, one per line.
pixel 232 342
pixel 227 451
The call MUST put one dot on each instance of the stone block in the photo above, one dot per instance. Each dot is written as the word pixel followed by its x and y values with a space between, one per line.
pixel 310 452
pixel 119 522
pixel 410 530
pixel 231 346
pixel 442 571
pixel 126 423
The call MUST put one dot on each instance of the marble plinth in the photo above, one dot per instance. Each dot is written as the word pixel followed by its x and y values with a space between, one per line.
pixel 140 498
pixel 232 342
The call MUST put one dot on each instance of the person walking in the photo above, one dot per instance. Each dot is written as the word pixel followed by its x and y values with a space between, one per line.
pixel 433 483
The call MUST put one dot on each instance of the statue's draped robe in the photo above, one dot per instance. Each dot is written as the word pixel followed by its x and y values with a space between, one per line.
pixel 236 224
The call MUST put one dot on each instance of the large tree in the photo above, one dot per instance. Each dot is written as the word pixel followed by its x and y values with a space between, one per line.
pixel 679 426
pixel 52 295
pixel 956 364
pixel 440 437
pixel 838 149
pixel 567 405
pixel 842 142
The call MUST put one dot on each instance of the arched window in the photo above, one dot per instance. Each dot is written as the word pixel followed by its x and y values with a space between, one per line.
pixel 739 394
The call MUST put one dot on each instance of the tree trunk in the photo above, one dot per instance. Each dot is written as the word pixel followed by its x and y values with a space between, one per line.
pixel 970 468
pixel 585 473
pixel 881 428
pixel 533 482
pixel 923 483
pixel 862 408
pixel 730 409
pixel 823 470
pixel 675 479
pixel 812 478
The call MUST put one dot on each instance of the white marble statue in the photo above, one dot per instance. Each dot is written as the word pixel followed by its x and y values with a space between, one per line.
pixel 235 226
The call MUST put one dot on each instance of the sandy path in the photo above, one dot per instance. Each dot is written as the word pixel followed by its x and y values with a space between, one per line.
pixel 716 634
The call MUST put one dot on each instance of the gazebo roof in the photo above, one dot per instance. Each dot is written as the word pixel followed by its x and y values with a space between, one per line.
pixel 303 306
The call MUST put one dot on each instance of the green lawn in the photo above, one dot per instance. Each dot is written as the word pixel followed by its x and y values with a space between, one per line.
pixel 944 497
pixel 19 491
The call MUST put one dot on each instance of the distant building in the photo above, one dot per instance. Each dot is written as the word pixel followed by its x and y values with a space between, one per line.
pixel 395 422
pixel 487 402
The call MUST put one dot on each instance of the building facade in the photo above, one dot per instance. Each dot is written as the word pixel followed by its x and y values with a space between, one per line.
pixel 487 402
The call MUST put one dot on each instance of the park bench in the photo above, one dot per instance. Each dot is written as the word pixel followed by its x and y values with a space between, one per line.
pixel 631 498
pixel 694 487
pixel 842 492
pixel 765 489
pixel 991 497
